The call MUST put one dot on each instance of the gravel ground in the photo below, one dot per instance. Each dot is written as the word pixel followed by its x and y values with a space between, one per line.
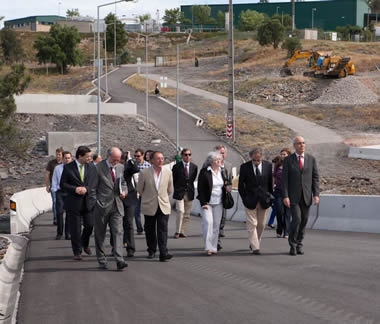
pixel 347 91
pixel 128 133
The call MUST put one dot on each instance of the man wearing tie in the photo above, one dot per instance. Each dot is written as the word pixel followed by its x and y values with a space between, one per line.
pixel 77 182
pixel 299 187
pixel 155 185
pixel 184 174
pixel 110 189
pixel 255 188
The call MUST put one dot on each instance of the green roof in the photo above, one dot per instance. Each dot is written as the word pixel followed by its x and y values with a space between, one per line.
pixel 31 19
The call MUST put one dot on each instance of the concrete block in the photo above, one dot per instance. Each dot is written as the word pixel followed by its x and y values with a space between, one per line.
pixel 371 152
pixel 69 140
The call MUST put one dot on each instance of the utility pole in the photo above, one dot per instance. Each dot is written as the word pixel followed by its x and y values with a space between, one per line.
pixel 293 15
pixel 231 81
pixel 146 81
pixel 114 40
pixel 177 102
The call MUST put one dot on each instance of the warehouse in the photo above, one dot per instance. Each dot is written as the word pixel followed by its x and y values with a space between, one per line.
pixel 33 23
pixel 326 15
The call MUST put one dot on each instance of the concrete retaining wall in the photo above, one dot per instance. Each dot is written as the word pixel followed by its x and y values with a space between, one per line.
pixel 371 152
pixel 69 140
pixel 29 204
pixel 10 278
pixel 70 105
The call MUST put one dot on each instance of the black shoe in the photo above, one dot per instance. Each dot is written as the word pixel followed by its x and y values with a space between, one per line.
pixel 257 252
pixel 292 251
pixel 103 266
pixel 271 226
pixel 130 254
pixel 219 247
pixel 165 257
pixel 221 234
pixel 300 251
pixel 182 235
pixel 58 237
pixel 151 255
pixel 55 222
pixel 121 265
pixel 67 237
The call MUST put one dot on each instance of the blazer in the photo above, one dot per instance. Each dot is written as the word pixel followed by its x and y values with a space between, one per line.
pixel 71 179
pixel 108 192
pixel 182 184
pixel 151 199
pixel 205 186
pixel 296 183
pixel 252 190
pixel 130 168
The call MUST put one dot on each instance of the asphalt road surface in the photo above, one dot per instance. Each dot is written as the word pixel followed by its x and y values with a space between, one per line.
pixel 163 116
pixel 336 281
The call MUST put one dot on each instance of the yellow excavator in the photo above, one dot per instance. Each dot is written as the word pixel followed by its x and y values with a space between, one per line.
pixel 321 64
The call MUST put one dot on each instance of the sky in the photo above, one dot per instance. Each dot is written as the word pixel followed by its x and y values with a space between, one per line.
pixel 13 9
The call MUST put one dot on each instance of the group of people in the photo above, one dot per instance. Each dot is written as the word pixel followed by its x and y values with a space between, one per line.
pixel 114 192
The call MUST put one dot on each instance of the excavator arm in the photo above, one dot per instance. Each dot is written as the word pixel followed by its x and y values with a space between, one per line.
pixel 297 54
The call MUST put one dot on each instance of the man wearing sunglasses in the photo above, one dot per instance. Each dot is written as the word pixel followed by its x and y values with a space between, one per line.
pixel 184 175
pixel 141 164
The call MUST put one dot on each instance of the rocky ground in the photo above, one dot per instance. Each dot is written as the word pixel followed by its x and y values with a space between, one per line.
pixel 28 171
pixel 4 243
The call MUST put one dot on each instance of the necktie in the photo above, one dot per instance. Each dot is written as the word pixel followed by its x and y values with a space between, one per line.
pixel 81 173
pixel 186 171
pixel 258 173
pixel 112 175
pixel 300 159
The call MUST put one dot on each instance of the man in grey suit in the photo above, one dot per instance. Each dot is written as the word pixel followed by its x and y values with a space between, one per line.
pixel 299 186
pixel 110 190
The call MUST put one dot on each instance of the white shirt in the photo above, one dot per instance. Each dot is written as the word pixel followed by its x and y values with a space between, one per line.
pixel 56 178
pixel 112 168
pixel 217 187
pixel 157 178
pixel 260 168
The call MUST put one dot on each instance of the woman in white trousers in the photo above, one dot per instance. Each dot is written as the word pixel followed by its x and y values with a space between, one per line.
pixel 210 194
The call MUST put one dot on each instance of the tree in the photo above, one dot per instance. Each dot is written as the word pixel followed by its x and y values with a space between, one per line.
pixel 345 32
pixel 201 14
pixel 121 34
pixel 250 20
pixel 144 17
pixel 72 13
pixel 221 19
pixel 285 20
pixel 12 83
pixel 175 16
pixel 292 44
pixel 11 46
pixel 270 32
pixel 60 47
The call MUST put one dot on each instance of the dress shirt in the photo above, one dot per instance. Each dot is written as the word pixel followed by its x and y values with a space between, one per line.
pixel 78 164
pixel 217 187
pixel 186 166
pixel 112 168
pixel 57 178
pixel 260 168
pixel 157 178
pixel 143 165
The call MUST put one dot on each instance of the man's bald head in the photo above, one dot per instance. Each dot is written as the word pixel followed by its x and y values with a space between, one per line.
pixel 299 145
pixel 114 155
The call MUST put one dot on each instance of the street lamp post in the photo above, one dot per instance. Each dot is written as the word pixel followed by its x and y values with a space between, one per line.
pixel 312 17
pixel 114 39
pixel 99 67
pixel 231 79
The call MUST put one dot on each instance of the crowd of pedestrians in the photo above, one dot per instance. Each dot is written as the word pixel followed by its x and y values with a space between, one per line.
pixel 117 191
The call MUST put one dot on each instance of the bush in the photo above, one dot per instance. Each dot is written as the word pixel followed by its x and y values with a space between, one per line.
pixel 270 32
pixel 292 44
pixel 126 58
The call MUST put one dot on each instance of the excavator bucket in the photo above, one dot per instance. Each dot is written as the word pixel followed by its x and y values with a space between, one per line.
pixel 285 71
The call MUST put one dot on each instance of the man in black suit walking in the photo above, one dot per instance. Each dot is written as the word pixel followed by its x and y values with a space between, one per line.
pixel 77 181
pixel 255 189
pixel 299 186
pixel 184 174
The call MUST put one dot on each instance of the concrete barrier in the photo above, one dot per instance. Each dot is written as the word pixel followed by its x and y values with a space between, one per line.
pixel 371 152
pixel 29 204
pixel 69 140
pixel 10 278
pixel 69 105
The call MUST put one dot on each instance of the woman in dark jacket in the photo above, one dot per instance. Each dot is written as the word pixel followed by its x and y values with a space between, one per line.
pixel 211 187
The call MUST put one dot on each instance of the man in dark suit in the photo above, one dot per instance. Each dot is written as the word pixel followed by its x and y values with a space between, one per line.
pixel 184 175
pixel 255 189
pixel 110 189
pixel 78 182
pixel 299 187
pixel 131 169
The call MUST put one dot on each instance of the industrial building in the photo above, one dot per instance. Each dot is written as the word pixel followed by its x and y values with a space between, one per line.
pixel 326 15
pixel 33 23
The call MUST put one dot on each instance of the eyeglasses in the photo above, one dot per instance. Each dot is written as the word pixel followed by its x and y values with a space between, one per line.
pixel 187 154
pixel 300 143
pixel 138 155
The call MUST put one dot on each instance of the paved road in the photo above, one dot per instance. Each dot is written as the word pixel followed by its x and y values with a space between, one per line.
pixel 164 116
pixel 336 281
pixel 313 133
